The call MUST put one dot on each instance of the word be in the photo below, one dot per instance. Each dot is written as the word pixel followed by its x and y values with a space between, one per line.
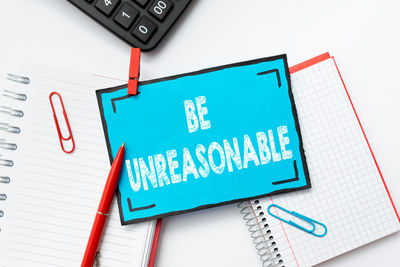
pixel 192 120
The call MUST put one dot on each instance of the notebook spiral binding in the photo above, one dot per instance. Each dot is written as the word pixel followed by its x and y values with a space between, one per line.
pixel 5 127
pixel 261 234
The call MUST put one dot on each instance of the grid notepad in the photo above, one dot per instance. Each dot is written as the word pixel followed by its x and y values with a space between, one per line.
pixel 347 193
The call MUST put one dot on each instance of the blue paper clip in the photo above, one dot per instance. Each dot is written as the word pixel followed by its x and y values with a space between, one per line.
pixel 300 216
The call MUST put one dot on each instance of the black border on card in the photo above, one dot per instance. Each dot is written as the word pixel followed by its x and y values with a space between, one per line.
pixel 244 63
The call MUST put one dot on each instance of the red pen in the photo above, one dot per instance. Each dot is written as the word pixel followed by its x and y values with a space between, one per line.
pixel 104 208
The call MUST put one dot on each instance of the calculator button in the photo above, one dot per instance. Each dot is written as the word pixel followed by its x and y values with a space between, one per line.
pixel 142 2
pixel 126 15
pixel 160 8
pixel 106 6
pixel 144 29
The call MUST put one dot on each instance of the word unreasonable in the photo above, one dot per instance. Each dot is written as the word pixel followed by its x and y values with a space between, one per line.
pixel 164 169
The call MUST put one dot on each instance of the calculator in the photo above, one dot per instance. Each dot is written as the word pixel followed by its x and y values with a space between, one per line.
pixel 140 23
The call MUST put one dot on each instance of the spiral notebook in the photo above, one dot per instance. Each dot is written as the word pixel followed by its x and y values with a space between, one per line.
pixel 48 198
pixel 348 192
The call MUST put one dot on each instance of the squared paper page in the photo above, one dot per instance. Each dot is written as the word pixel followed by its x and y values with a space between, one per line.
pixel 54 196
pixel 347 193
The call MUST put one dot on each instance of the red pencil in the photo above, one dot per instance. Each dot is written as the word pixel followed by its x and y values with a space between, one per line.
pixel 104 208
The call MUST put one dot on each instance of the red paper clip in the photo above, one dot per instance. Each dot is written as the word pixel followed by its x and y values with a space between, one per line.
pixel 62 138
pixel 134 71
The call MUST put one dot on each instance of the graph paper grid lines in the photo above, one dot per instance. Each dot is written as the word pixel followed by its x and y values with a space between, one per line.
pixel 347 192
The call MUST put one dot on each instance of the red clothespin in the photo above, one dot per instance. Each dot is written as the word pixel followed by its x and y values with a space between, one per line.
pixel 134 71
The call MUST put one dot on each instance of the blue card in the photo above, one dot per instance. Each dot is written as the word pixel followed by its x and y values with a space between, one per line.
pixel 204 139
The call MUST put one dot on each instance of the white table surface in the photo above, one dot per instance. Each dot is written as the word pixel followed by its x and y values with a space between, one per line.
pixel 362 35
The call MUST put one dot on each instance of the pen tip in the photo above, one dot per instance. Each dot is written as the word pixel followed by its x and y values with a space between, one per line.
pixel 123 144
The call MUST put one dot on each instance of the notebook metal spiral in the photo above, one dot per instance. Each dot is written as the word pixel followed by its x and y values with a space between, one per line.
pixel 263 238
pixel 5 145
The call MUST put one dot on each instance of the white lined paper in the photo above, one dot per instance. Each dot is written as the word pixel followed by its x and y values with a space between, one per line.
pixel 54 196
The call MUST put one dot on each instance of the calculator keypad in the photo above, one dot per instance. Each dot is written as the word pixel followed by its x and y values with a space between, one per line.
pixel 126 15
pixel 160 8
pixel 107 6
pixel 140 23
pixel 142 2
pixel 144 29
